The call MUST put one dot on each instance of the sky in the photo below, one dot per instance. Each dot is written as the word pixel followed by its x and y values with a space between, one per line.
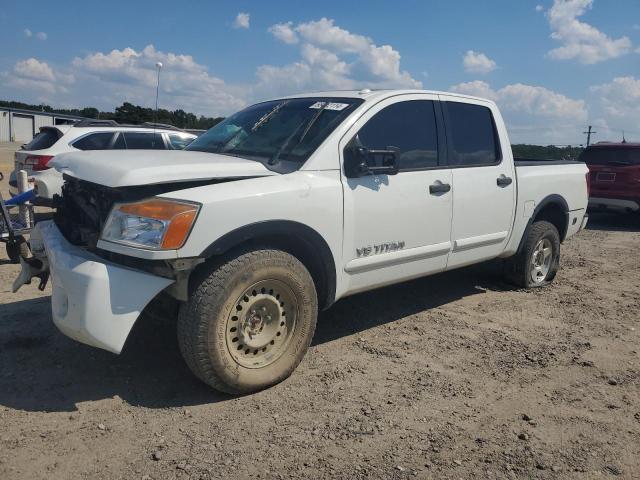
pixel 553 66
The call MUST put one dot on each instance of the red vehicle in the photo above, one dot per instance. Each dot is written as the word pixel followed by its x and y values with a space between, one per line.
pixel 614 170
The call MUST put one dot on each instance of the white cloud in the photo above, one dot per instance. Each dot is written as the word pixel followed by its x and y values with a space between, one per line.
pixel 242 20
pixel 324 32
pixel 541 102
pixel 539 8
pixel 477 62
pixel 477 88
pixel 39 35
pixel 107 79
pixel 533 113
pixel 130 75
pixel 621 98
pixel 581 41
pixel 332 58
pixel 34 69
pixel 33 75
pixel 284 32
pixel 619 101
pixel 533 100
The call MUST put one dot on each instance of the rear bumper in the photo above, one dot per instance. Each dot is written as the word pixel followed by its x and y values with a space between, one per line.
pixel 619 204
pixel 94 301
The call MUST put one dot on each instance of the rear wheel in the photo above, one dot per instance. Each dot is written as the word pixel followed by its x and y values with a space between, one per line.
pixel 537 263
pixel 249 321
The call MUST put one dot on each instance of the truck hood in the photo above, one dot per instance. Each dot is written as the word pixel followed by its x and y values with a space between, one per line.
pixel 123 168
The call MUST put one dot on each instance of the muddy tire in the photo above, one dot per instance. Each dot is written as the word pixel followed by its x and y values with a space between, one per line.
pixel 539 259
pixel 16 249
pixel 249 320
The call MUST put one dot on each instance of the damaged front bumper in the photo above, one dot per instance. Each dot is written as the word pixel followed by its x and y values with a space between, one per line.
pixel 93 301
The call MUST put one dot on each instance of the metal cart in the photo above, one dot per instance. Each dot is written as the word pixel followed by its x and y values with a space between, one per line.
pixel 16 220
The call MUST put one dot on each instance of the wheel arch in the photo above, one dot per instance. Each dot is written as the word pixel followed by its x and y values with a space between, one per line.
pixel 555 210
pixel 298 239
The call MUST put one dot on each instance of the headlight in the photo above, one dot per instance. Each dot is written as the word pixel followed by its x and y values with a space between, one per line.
pixel 157 224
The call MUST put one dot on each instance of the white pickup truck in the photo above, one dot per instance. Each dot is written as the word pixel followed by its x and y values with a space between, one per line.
pixel 286 207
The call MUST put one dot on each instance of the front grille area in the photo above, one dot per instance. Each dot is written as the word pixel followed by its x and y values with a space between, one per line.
pixel 83 209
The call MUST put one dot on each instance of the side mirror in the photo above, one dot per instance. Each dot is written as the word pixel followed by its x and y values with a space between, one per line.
pixel 362 161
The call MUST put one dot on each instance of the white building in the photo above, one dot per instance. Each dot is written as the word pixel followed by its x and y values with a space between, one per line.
pixel 17 125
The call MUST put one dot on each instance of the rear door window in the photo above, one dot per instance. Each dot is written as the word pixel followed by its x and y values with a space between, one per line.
pixel 94 141
pixel 472 135
pixel 46 138
pixel 143 140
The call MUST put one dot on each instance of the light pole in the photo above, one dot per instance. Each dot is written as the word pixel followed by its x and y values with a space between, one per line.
pixel 155 113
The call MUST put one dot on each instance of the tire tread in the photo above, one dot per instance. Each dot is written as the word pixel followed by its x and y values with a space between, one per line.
pixel 193 332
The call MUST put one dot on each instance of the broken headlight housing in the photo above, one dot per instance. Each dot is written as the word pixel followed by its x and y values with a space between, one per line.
pixel 157 224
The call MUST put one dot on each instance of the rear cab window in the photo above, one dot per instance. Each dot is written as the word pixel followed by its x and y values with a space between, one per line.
pixel 471 134
pixel 46 138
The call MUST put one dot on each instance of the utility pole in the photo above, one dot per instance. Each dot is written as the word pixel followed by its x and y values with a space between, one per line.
pixel 588 133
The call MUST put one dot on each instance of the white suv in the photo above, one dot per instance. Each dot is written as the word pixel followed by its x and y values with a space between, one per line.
pixel 34 157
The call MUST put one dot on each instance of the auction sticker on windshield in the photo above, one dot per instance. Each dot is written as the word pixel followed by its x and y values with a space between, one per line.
pixel 330 106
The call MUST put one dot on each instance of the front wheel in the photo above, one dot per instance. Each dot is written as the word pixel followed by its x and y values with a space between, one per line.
pixel 539 259
pixel 249 320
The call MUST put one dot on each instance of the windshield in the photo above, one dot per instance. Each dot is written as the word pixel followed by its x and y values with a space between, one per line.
pixel 611 156
pixel 282 134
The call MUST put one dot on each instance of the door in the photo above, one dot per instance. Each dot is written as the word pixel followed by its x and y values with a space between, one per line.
pixel 397 226
pixel 22 128
pixel 484 196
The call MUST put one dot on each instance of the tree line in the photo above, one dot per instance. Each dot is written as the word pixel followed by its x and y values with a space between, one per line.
pixel 128 113
pixel 551 152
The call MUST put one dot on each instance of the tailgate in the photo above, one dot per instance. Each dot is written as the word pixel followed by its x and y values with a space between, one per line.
pixel 608 176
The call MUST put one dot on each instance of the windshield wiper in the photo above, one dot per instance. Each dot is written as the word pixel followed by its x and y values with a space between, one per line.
pixel 267 116
pixel 313 120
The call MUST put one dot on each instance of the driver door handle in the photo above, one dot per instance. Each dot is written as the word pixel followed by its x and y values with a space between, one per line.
pixel 438 187
pixel 504 181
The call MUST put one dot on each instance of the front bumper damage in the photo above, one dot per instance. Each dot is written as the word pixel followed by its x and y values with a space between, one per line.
pixel 93 301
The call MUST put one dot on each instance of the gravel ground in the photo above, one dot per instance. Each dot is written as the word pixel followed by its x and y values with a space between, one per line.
pixel 453 376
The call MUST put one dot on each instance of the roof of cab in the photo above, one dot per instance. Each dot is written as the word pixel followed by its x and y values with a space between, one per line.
pixel 374 94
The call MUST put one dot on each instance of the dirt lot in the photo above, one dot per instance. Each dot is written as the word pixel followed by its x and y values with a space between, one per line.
pixel 454 376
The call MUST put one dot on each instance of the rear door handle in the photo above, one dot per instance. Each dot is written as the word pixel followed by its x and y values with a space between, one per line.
pixel 504 181
pixel 439 187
